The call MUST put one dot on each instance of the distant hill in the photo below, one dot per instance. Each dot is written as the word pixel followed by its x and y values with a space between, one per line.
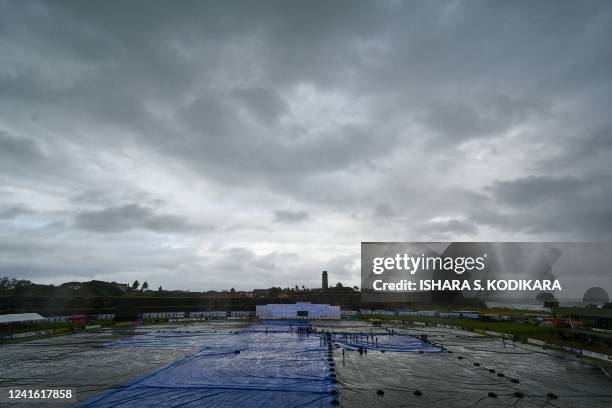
pixel 92 288
pixel 69 289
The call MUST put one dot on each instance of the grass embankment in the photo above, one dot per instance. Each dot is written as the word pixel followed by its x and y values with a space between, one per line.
pixel 520 331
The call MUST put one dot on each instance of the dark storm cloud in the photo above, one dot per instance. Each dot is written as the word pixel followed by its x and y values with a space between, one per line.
pixel 16 151
pixel 534 190
pixel 458 121
pixel 384 210
pixel 564 207
pixel 132 216
pixel 386 119
pixel 264 103
pixel 290 217
pixel 587 150
pixel 14 211
pixel 217 135
pixel 110 198
pixel 449 227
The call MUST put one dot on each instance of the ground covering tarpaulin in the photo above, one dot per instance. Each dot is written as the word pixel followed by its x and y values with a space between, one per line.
pixel 474 371
pixel 247 369
pixel 384 342
pixel 171 339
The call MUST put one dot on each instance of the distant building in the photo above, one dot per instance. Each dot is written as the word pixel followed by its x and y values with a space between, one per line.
pixel 586 316
pixel 77 319
pixel 346 313
pixel 596 296
pixel 124 287
pixel 469 314
pixel 324 283
pixel 242 313
pixel 300 310
pixel 260 292
pixel 20 318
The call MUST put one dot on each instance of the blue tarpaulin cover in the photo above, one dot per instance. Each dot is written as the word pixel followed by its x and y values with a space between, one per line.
pixel 384 342
pixel 246 369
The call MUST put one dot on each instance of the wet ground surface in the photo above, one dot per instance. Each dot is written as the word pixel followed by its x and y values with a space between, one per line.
pixel 83 362
pixel 474 371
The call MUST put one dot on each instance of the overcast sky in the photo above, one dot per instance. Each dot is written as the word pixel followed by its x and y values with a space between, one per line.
pixel 209 145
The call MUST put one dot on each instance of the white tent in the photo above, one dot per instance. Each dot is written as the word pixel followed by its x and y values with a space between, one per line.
pixel 20 318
